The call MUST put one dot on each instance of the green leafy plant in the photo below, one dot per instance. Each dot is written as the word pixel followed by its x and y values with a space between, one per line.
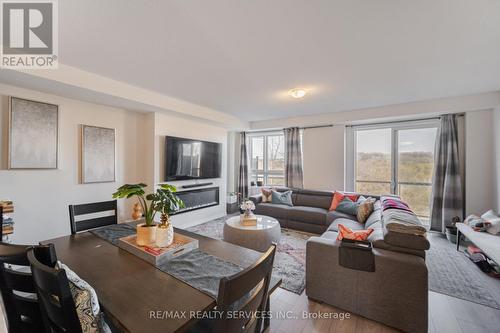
pixel 163 200
pixel 167 202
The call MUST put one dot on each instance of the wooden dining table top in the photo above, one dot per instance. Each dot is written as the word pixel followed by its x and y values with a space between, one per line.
pixel 134 293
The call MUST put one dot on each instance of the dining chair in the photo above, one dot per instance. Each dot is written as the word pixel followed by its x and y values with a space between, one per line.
pixel 82 224
pixel 246 291
pixel 54 296
pixel 17 286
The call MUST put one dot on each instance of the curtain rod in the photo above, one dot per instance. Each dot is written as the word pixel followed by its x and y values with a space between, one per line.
pixel 282 129
pixel 377 123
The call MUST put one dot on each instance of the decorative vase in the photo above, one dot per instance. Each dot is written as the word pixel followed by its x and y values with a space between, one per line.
pixel 137 211
pixel 165 232
pixel 146 235
pixel 248 213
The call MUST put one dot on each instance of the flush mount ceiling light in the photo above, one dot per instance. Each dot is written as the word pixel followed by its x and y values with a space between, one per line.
pixel 297 93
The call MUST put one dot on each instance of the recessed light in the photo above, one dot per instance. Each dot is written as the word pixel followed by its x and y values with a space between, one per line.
pixel 297 93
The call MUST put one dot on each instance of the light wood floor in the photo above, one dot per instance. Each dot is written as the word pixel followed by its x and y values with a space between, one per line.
pixel 446 314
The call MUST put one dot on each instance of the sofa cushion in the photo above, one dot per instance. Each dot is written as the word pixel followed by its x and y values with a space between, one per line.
pixel 320 199
pixel 347 233
pixel 353 225
pixel 333 215
pixel 305 214
pixel 282 198
pixel 269 209
pixel 348 206
pixel 339 196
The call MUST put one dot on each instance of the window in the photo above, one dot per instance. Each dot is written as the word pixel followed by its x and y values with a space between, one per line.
pixel 267 158
pixel 394 158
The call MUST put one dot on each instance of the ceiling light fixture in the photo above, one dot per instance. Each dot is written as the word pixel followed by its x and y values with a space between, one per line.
pixel 297 93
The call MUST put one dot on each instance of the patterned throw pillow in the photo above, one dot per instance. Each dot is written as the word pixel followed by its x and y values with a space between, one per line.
pixel 266 194
pixel 345 232
pixel 365 209
pixel 86 303
pixel 339 196
pixel 282 198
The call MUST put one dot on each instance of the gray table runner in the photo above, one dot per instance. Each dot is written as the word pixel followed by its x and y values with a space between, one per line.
pixel 198 269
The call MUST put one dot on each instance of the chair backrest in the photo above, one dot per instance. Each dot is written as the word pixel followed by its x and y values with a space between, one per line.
pixel 245 291
pixel 17 286
pixel 54 296
pixel 90 208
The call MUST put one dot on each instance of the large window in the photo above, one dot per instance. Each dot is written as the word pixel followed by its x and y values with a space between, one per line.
pixel 394 159
pixel 267 158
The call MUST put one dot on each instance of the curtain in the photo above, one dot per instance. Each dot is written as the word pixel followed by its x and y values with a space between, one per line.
pixel 243 172
pixel 447 201
pixel 293 160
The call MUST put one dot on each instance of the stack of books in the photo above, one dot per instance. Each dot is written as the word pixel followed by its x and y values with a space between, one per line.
pixel 6 218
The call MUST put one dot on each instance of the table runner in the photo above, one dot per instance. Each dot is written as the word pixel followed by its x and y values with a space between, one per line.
pixel 200 270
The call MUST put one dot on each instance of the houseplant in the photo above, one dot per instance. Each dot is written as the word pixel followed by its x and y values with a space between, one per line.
pixel 167 203
pixel 146 232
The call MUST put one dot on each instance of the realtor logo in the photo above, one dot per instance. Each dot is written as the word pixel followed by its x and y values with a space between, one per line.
pixel 29 34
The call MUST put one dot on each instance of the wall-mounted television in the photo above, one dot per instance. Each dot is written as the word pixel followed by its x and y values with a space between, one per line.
pixel 191 159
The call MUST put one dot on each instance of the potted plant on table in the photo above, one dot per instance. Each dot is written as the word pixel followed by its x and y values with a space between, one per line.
pixel 167 203
pixel 146 232
pixel 150 204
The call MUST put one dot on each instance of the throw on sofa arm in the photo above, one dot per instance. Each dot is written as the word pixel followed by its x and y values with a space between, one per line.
pixel 396 294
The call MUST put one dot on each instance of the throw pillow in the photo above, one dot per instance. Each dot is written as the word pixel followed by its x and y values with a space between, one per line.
pixel 494 220
pixel 365 209
pixel 347 206
pixel 282 198
pixel 266 194
pixel 345 232
pixel 339 196
pixel 394 203
pixel 86 303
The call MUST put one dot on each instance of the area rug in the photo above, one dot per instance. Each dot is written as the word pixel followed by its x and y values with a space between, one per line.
pixel 452 273
pixel 290 259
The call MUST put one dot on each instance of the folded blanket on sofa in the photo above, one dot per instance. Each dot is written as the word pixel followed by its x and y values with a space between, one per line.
pixel 402 221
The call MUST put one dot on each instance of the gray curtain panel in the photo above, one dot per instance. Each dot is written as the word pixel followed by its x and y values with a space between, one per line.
pixel 293 161
pixel 447 201
pixel 243 172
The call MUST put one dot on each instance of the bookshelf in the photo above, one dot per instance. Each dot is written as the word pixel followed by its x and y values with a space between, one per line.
pixel 6 219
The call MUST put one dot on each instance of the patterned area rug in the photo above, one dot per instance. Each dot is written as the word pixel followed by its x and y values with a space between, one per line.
pixel 453 274
pixel 290 260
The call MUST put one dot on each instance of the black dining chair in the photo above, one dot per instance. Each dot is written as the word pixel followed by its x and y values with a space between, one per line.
pixel 246 291
pixel 82 224
pixel 54 296
pixel 17 285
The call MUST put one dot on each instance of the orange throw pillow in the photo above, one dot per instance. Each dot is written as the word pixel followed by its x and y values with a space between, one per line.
pixel 339 196
pixel 345 232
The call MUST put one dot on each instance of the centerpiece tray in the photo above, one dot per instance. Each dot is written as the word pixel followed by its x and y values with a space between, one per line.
pixel 159 255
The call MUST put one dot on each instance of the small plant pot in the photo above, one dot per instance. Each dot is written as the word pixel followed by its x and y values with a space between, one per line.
pixel 164 235
pixel 451 234
pixel 146 235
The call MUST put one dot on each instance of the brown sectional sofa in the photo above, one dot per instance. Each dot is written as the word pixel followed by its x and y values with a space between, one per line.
pixel 396 294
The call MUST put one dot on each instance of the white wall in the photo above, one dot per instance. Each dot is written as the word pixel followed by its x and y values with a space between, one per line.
pixel 323 158
pixel 496 146
pixel 187 128
pixel 41 197
pixel 479 162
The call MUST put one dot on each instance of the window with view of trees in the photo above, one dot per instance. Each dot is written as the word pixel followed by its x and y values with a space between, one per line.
pixel 396 159
pixel 267 158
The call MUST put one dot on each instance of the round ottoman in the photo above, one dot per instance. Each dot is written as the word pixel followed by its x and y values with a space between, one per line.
pixel 257 237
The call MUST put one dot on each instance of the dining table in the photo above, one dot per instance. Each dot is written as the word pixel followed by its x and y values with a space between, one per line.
pixel 136 295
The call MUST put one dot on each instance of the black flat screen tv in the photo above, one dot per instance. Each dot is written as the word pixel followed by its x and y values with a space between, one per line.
pixel 191 159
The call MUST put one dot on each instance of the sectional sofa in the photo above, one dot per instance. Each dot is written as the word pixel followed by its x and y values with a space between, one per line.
pixel 396 293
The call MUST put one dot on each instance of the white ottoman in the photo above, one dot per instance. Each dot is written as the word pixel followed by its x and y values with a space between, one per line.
pixel 258 237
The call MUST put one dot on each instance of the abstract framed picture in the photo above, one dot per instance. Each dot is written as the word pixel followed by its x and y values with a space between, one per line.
pixel 33 134
pixel 98 154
